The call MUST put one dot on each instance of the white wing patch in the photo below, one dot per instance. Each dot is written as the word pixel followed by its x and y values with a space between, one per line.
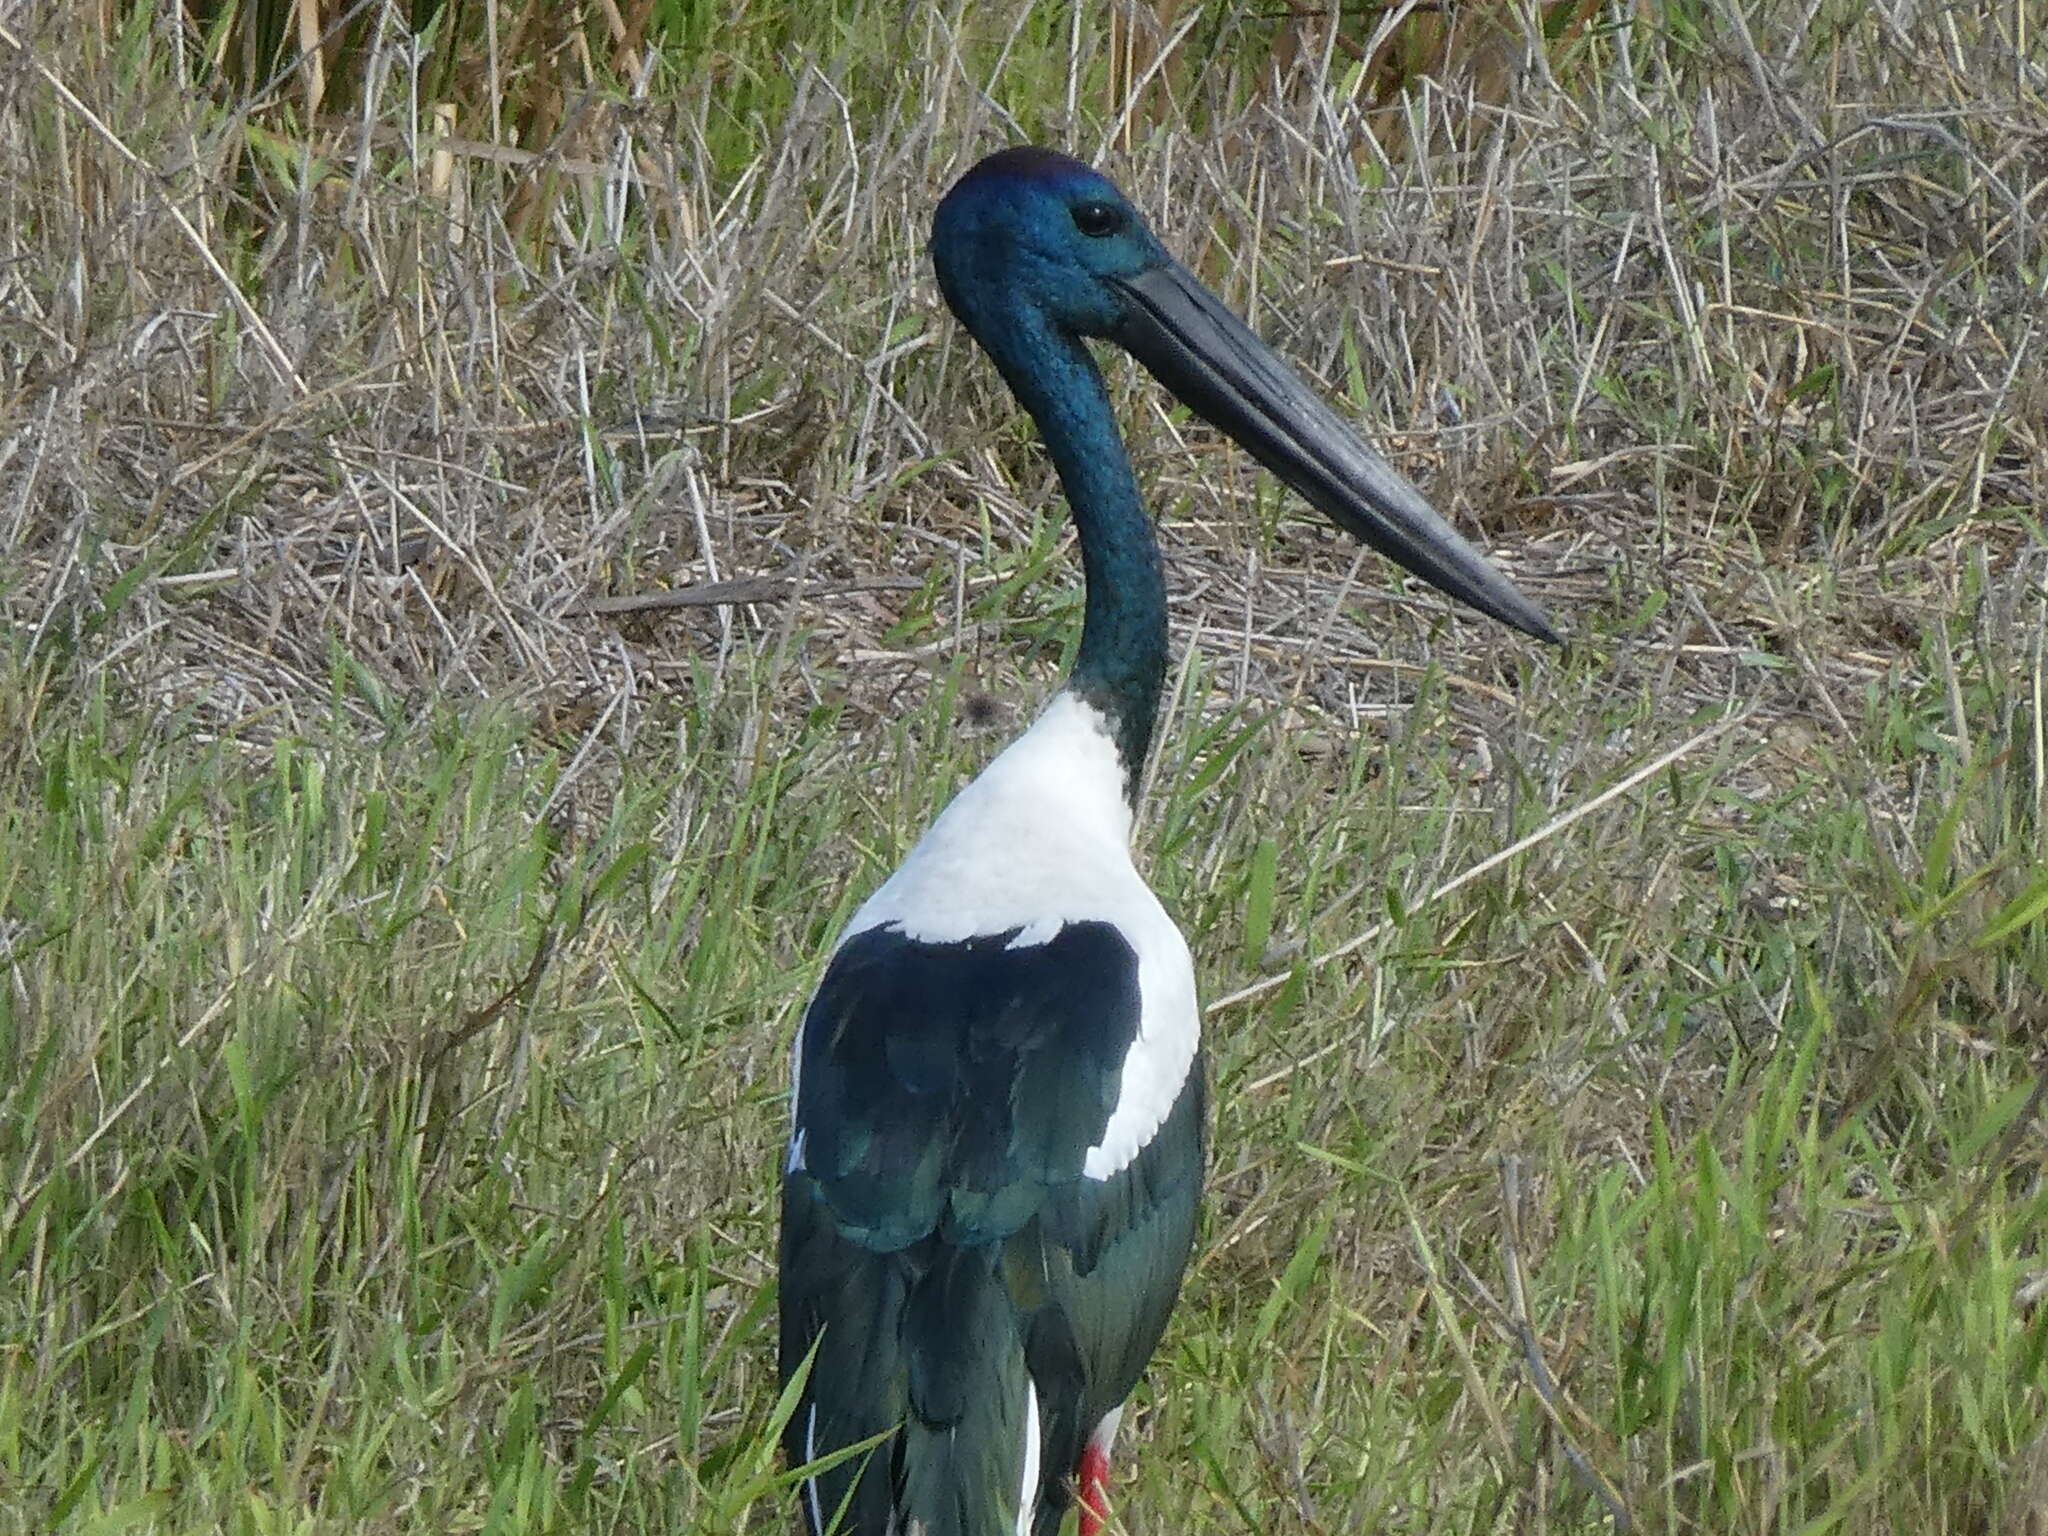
pixel 1157 1064
pixel 1031 935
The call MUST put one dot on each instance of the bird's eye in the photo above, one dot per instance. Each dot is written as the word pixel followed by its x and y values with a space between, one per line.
pixel 1097 219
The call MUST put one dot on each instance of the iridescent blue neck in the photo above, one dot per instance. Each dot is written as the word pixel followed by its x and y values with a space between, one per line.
pixel 1121 668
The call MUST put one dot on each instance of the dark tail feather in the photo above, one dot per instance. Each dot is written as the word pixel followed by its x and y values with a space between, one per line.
pixel 971 1420
pixel 855 1387
pixel 928 1340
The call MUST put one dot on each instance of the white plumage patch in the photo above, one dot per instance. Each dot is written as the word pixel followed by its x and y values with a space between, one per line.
pixel 1040 839
pixel 1043 834
pixel 1027 1497
pixel 811 1483
pixel 1103 1436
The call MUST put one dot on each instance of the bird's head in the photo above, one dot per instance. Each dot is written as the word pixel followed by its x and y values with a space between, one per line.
pixel 1032 228
pixel 1029 238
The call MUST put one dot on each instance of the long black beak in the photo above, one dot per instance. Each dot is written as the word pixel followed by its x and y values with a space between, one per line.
pixel 1216 367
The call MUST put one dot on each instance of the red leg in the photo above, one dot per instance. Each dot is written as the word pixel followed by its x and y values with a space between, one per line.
pixel 1093 1481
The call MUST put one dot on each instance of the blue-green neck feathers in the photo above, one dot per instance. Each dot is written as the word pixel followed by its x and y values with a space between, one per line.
pixel 1029 285
pixel 1121 667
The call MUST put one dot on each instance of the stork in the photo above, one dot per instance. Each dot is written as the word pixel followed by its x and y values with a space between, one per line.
pixel 996 1150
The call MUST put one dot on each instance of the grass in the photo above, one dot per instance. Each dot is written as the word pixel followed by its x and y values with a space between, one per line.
pixel 404 914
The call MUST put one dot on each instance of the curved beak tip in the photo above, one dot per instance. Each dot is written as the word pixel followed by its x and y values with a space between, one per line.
pixel 1537 624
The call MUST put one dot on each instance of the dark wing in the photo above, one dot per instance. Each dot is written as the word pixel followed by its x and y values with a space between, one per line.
pixel 938 1231
pixel 944 1088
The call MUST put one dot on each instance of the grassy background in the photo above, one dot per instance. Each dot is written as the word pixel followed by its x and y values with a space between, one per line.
pixel 409 876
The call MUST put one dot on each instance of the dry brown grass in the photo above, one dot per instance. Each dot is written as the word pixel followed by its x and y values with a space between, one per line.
pixel 1754 323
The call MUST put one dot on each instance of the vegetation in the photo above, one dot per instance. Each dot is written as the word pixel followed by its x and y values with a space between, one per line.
pixel 504 549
